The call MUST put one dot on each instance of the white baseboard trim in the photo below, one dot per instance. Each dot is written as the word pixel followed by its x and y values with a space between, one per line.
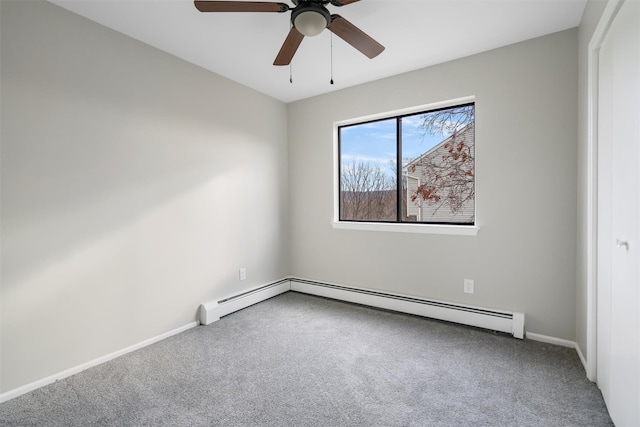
pixel 561 342
pixel 551 340
pixel 11 394
pixel 582 358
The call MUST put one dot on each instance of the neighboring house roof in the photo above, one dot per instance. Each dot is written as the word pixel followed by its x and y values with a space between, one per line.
pixel 462 133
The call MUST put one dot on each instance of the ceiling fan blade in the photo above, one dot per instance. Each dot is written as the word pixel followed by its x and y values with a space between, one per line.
pixel 289 47
pixel 240 6
pixel 355 36
pixel 342 2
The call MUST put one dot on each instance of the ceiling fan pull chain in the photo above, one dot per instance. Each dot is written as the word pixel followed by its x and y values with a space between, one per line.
pixel 290 65
pixel 331 42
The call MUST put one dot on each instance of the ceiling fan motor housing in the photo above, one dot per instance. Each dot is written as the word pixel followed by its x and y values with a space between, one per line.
pixel 310 18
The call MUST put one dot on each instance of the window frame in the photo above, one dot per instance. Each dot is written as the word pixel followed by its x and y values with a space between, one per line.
pixel 398 226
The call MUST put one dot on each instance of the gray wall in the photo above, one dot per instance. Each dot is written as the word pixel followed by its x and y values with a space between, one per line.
pixel 591 16
pixel 523 257
pixel 134 185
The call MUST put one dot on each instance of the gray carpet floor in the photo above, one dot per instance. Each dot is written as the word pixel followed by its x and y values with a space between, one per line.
pixel 300 360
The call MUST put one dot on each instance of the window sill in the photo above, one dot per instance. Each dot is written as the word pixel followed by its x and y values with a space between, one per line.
pixel 454 230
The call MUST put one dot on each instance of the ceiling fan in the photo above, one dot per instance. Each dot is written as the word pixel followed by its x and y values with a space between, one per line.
pixel 308 18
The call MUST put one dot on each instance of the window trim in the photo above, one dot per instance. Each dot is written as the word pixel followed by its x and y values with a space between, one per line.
pixel 402 227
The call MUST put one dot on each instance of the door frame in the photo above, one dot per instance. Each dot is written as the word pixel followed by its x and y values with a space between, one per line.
pixel 593 58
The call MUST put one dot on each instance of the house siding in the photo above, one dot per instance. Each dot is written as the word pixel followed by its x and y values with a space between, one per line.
pixel 425 211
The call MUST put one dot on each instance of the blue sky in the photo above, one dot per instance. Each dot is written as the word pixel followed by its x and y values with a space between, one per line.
pixel 376 141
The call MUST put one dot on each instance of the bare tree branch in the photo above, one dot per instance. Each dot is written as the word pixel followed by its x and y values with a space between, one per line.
pixel 367 192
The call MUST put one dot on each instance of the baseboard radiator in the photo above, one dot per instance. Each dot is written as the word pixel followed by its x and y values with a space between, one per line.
pixel 214 310
pixel 495 320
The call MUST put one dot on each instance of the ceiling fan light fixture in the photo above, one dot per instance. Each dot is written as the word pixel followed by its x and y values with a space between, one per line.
pixel 310 20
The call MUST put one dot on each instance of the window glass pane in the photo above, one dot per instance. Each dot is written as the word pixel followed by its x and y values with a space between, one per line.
pixel 438 176
pixel 368 185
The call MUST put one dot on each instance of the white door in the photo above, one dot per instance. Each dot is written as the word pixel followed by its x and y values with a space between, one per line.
pixel 618 341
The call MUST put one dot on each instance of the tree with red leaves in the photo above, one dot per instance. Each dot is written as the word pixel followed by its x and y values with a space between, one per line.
pixel 446 172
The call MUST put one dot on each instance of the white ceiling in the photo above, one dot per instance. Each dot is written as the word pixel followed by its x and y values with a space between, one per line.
pixel 416 34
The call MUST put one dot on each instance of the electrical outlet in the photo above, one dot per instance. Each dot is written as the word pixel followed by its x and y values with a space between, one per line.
pixel 243 273
pixel 468 286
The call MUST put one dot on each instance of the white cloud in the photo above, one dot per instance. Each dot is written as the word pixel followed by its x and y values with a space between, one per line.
pixel 348 158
